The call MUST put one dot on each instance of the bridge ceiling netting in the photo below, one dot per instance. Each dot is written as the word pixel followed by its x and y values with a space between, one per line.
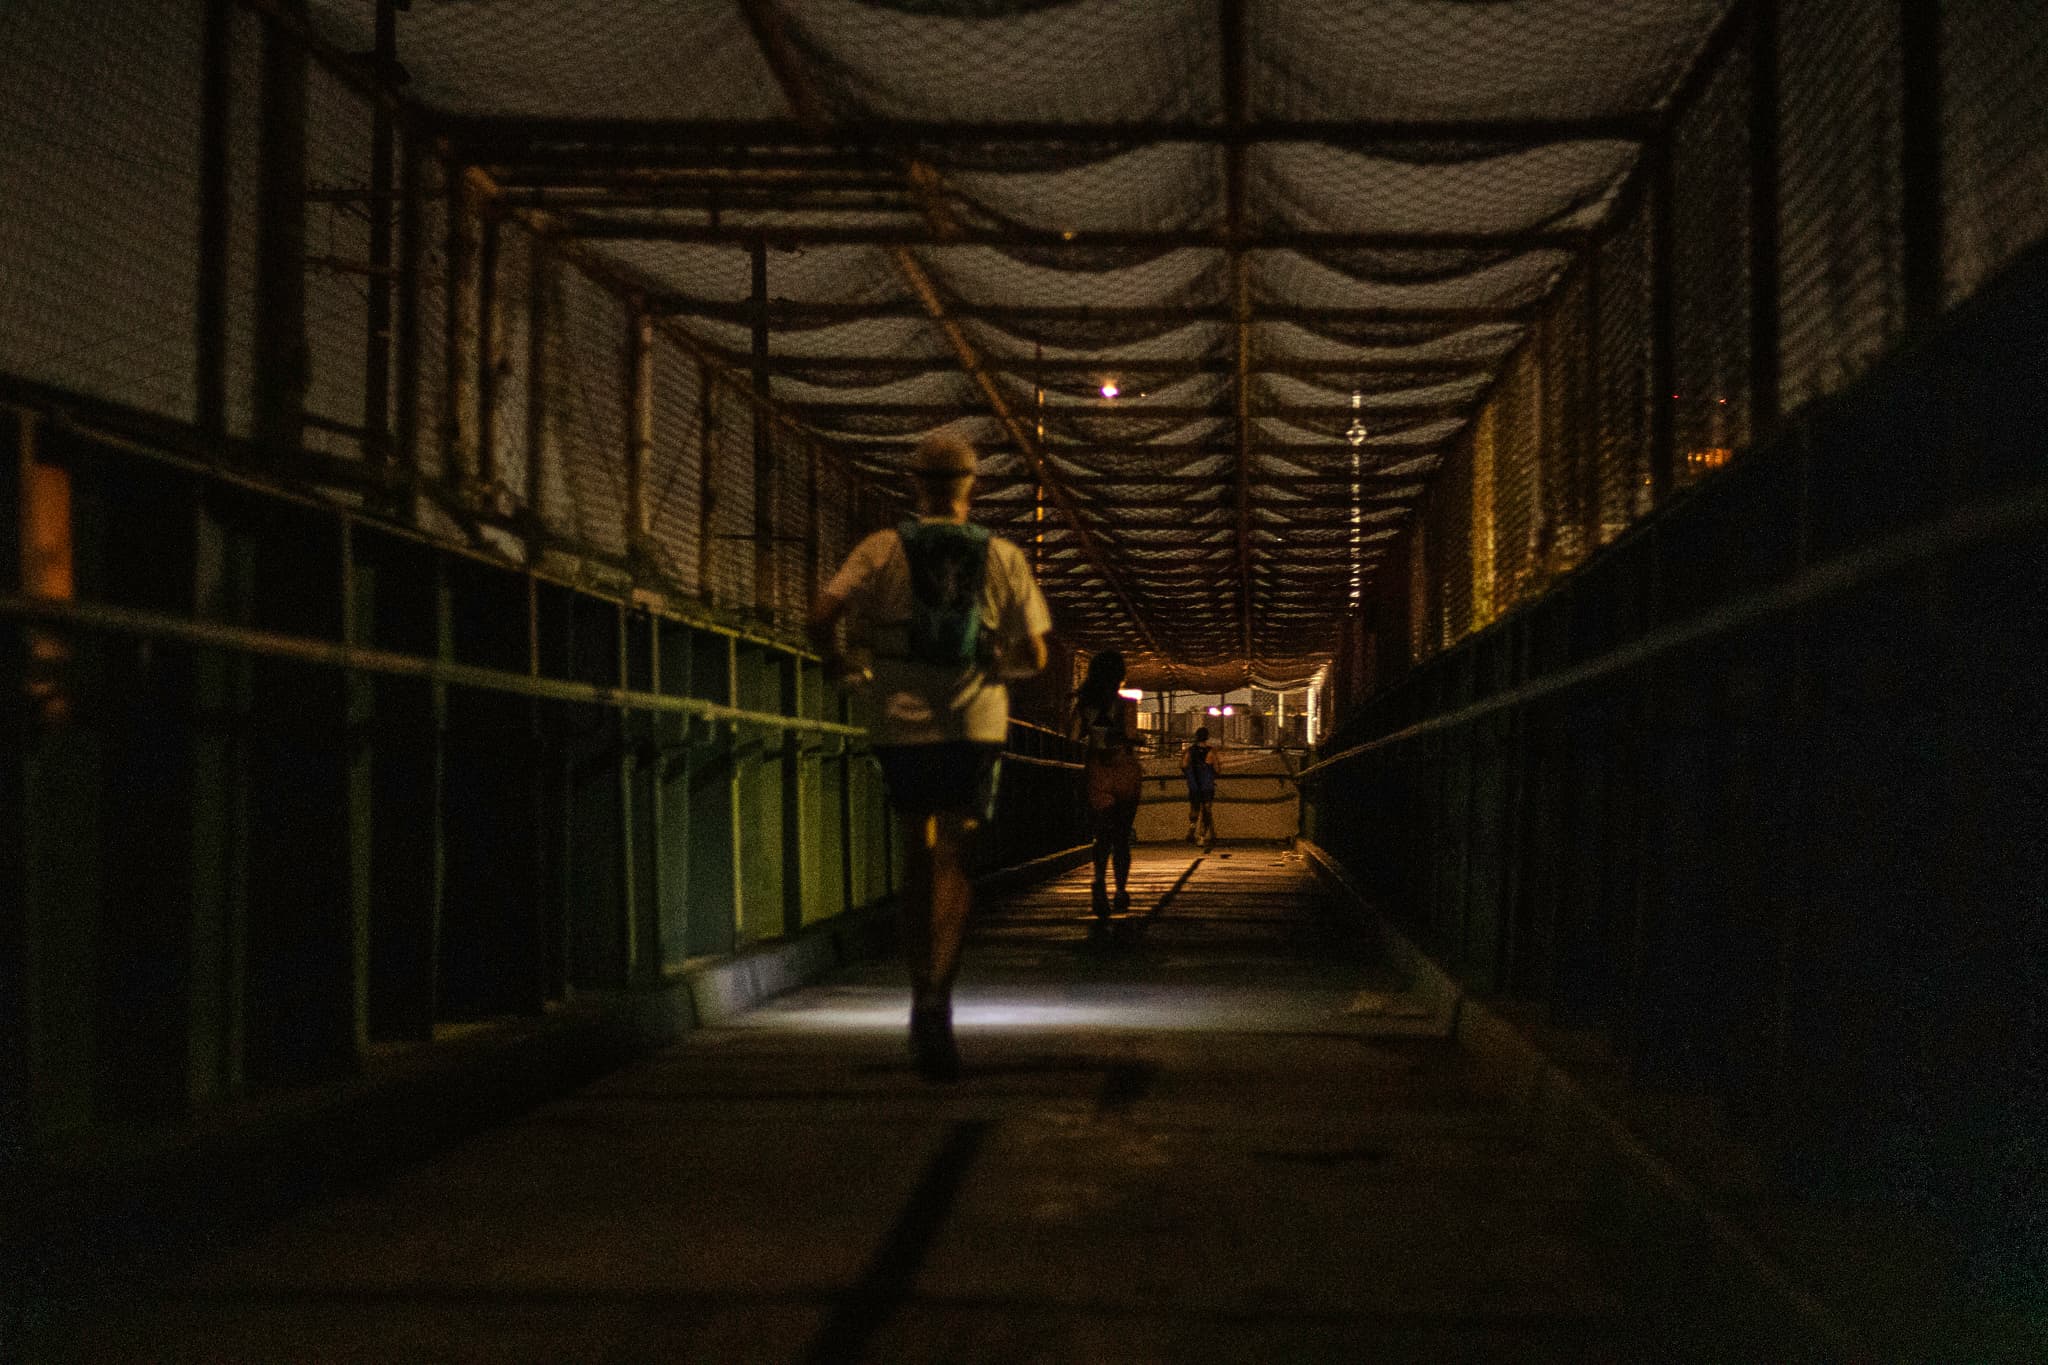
pixel 1215 286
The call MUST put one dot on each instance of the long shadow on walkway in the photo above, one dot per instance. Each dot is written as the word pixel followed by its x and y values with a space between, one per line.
pixel 1220 1133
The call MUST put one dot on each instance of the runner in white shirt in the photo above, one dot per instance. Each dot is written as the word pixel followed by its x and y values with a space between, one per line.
pixel 938 728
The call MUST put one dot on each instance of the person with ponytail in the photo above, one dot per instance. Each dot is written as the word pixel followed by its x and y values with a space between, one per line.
pixel 1104 721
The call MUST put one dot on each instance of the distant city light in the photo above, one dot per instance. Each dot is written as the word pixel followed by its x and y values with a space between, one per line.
pixel 1131 693
pixel 1356 432
pixel 1223 710
pixel 1109 388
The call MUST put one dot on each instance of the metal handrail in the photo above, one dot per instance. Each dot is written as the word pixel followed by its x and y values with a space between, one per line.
pixel 1971 524
pixel 96 616
pixel 1033 761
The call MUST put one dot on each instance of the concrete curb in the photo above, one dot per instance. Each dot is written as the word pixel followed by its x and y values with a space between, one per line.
pixel 1639 1188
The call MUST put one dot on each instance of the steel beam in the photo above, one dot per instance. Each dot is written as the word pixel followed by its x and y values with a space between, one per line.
pixel 792 314
pixel 1138 410
pixel 650 142
pixel 1206 449
pixel 1334 482
pixel 1110 366
pixel 1234 236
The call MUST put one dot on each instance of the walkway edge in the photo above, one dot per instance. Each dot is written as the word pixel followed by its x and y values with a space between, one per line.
pixel 90 1210
pixel 1564 1114
pixel 723 990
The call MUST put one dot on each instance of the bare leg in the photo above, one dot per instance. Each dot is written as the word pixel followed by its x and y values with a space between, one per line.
pixel 1104 845
pixel 952 897
pixel 1120 850
pixel 936 897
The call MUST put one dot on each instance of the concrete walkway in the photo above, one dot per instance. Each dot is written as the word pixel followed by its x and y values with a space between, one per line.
pixel 1225 1135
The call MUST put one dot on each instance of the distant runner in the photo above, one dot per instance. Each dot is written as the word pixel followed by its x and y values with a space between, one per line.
pixel 1198 765
pixel 1114 778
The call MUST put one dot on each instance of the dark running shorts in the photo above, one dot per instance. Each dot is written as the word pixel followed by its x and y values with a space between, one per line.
pixel 926 779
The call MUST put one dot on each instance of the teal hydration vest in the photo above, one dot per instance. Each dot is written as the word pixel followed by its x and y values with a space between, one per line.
pixel 948 564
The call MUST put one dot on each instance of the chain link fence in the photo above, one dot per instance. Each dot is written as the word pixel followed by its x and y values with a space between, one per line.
pixel 100 153
pixel 142 279
pixel 1642 374
pixel 508 421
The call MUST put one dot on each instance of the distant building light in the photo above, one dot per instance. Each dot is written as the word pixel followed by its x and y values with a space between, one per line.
pixel 1131 693
pixel 1109 388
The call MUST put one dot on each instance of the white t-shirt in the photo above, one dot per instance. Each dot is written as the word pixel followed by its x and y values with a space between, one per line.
pixel 918 703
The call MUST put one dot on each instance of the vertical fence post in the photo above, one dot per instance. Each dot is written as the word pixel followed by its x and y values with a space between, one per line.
pixel 1763 221
pixel 794 807
pixel 488 345
pixel 412 247
pixel 813 531
pixel 359 719
pixel 735 820
pixel 651 830
pixel 542 452
pixel 1920 169
pixel 1663 320
pixel 542 793
pixel 216 81
pixel 383 152
pixel 281 358
pixel 622 730
pixel 842 711
pixel 707 482
pixel 765 594
pixel 16 932
pixel 1592 491
pixel 639 427
pixel 458 400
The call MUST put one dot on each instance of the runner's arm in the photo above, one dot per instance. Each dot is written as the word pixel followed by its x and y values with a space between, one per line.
pixel 824 622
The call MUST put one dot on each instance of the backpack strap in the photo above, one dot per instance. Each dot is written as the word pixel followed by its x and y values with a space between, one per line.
pixel 907 529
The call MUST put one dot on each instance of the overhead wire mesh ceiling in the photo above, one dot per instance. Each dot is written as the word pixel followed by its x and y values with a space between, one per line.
pixel 1302 239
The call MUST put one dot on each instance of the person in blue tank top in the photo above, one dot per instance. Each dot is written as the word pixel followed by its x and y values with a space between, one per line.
pixel 1198 765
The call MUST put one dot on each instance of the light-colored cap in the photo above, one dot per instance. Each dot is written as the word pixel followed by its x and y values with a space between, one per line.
pixel 943 455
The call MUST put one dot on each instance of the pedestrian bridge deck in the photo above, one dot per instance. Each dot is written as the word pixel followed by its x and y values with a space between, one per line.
pixel 1226 1132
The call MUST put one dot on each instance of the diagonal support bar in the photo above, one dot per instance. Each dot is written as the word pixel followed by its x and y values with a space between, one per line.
pixel 1231 26
pixel 772 37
